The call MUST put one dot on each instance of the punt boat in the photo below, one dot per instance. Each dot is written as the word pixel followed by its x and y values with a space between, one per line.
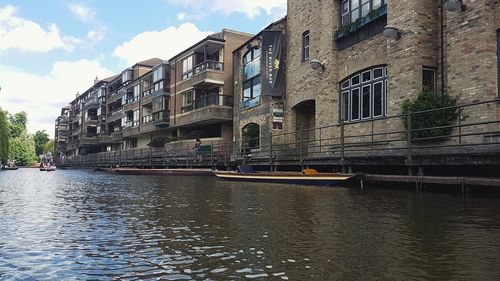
pixel 306 177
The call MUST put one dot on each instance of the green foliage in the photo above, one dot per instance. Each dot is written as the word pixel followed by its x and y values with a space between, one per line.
pixel 440 118
pixel 4 136
pixel 354 26
pixel 17 124
pixel 49 146
pixel 41 138
pixel 22 149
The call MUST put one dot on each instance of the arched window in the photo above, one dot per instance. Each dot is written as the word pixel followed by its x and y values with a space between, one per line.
pixel 364 94
pixel 251 136
pixel 251 74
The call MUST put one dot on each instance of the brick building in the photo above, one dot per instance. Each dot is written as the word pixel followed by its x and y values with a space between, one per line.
pixel 363 75
pixel 258 109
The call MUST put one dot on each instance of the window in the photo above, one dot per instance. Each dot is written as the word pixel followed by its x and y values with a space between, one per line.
pixel 137 92
pixel 158 74
pixel 127 76
pixel 251 76
pixel 428 79
pixel 363 95
pixel 136 118
pixel 305 46
pixel 351 10
pixel 187 101
pixel 187 68
pixel 251 88
pixel 251 63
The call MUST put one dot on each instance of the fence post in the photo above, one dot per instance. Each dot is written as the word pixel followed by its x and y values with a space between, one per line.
pixel 244 150
pixel 212 155
pixel 187 156
pixel 459 125
pixel 301 148
pixel 342 142
pixel 320 140
pixel 150 157
pixel 271 151
pixel 408 142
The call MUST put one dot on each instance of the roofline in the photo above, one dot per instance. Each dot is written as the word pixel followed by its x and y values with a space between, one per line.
pixel 193 46
pixel 260 33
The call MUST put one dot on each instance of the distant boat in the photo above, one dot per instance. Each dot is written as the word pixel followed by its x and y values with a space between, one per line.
pixel 306 177
pixel 10 168
pixel 48 169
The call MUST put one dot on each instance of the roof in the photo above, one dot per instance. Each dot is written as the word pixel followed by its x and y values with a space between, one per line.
pixel 109 79
pixel 150 62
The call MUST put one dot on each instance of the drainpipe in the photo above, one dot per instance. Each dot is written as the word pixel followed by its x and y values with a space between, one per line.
pixel 175 90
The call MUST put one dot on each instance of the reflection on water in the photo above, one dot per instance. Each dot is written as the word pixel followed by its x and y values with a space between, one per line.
pixel 82 225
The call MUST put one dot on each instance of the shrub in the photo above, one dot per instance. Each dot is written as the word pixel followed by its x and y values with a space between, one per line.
pixel 439 118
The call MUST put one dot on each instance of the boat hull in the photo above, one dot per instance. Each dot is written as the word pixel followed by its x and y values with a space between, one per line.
pixel 301 179
pixel 162 172
pixel 10 168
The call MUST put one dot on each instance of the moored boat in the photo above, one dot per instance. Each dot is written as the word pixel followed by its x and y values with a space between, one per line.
pixel 172 172
pixel 306 177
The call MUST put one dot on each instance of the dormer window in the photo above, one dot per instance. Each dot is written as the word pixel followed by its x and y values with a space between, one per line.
pixel 127 76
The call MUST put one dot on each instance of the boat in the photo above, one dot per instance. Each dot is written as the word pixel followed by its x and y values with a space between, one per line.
pixel 171 172
pixel 306 177
pixel 47 169
pixel 10 168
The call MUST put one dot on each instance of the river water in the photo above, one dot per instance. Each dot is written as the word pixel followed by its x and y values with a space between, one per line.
pixel 84 225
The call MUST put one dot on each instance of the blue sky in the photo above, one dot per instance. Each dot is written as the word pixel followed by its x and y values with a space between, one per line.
pixel 50 50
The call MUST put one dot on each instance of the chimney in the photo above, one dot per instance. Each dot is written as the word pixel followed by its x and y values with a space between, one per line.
pixel 77 94
pixel 96 80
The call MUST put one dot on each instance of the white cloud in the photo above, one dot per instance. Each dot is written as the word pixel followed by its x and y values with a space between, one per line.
pixel 181 16
pixel 43 96
pixel 249 8
pixel 96 35
pixel 26 35
pixel 82 12
pixel 163 44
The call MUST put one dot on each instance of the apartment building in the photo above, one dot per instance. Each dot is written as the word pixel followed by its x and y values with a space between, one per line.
pixel 259 87
pixel 201 89
pixel 61 130
pixel 144 103
pixel 359 60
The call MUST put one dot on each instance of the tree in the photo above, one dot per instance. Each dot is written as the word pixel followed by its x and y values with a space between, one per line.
pixel 41 138
pixel 17 124
pixel 49 146
pixel 4 136
pixel 22 149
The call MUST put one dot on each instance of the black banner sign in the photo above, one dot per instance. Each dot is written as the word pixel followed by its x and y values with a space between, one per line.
pixel 272 68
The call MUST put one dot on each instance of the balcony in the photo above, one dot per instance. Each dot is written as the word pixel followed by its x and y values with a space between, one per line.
pixel 92 103
pixel 76 132
pixel 149 98
pixel 161 118
pixel 207 109
pixel 89 141
pixel 147 124
pixel 132 104
pixel 91 121
pixel 208 73
pixel 115 115
pixel 113 138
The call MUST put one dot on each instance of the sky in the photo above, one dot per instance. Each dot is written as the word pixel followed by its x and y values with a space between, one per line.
pixel 52 49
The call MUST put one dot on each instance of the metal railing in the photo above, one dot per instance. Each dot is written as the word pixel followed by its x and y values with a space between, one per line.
pixel 476 131
pixel 207 65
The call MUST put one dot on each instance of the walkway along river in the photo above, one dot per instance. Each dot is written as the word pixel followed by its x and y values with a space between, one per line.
pixel 82 225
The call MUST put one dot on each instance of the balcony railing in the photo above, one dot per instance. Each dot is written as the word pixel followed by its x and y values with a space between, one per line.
pixel 132 100
pixel 161 117
pixel 214 99
pixel 147 119
pixel 207 65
